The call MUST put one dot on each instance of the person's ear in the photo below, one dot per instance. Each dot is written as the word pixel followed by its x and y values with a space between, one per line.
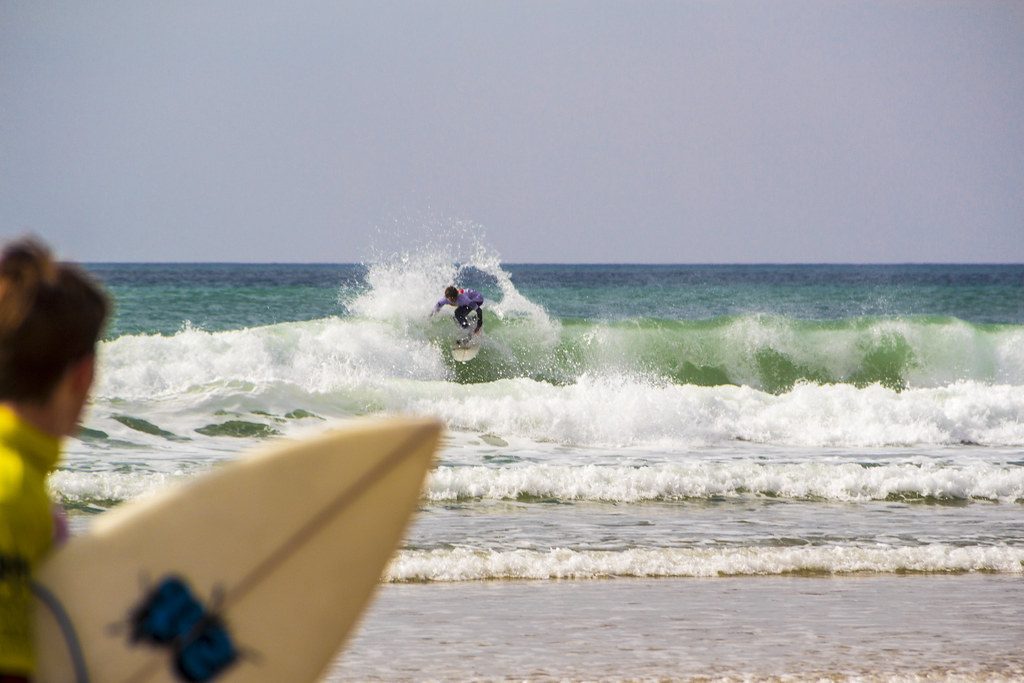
pixel 82 374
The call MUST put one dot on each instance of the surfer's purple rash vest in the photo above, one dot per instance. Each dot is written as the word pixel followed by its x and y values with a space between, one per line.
pixel 467 297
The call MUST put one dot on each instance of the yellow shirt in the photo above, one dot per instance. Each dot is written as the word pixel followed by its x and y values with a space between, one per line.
pixel 27 456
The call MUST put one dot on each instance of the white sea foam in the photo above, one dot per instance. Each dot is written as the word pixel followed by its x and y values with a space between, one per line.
pixel 619 411
pixel 834 481
pixel 404 286
pixel 818 480
pixel 393 361
pixel 70 487
pixel 318 356
pixel 613 411
pixel 468 564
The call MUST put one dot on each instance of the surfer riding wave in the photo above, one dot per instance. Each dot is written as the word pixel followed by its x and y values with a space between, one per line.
pixel 465 301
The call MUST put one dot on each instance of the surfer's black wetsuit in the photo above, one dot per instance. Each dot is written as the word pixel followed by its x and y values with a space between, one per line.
pixel 468 300
pixel 462 311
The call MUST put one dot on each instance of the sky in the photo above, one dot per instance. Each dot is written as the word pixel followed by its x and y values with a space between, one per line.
pixel 560 131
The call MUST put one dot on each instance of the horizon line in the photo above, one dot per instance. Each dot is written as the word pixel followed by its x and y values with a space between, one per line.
pixel 571 263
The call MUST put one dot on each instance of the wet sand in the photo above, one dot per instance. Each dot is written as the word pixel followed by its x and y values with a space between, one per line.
pixel 934 627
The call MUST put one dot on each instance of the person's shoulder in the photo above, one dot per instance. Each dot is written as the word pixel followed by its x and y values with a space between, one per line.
pixel 12 472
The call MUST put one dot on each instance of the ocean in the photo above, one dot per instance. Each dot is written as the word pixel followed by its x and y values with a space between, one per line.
pixel 651 472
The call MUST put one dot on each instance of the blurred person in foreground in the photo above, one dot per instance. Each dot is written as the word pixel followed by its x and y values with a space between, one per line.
pixel 51 318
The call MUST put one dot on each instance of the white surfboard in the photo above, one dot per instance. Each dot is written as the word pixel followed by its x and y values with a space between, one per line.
pixel 256 571
pixel 465 349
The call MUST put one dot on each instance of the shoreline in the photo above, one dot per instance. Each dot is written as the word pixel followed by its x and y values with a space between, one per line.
pixel 859 628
